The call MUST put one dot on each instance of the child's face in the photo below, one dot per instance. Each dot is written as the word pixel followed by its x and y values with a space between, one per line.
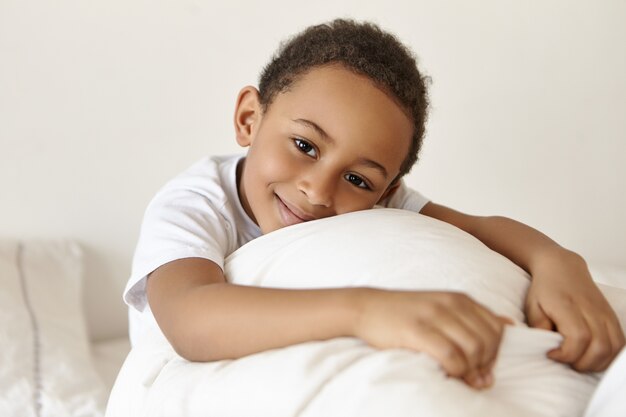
pixel 332 144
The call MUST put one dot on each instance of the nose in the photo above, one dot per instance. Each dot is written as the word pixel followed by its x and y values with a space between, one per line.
pixel 318 186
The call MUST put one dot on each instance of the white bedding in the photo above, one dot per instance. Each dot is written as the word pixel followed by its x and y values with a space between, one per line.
pixel 48 367
pixel 108 356
pixel 344 377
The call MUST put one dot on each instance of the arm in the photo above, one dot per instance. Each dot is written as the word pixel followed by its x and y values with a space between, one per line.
pixel 205 319
pixel 562 293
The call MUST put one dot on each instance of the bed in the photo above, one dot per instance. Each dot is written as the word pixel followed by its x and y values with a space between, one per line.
pixel 51 368
pixel 49 363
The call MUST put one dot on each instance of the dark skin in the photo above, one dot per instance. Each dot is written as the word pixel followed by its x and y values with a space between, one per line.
pixel 334 143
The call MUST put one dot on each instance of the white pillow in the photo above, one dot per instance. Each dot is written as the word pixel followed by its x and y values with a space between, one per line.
pixel 391 248
pixel 398 249
pixel 46 367
pixel 344 377
pixel 384 248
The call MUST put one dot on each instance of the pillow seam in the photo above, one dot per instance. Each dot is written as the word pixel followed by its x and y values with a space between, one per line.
pixel 37 393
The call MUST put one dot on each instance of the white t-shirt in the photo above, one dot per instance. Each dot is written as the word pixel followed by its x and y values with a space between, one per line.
pixel 198 215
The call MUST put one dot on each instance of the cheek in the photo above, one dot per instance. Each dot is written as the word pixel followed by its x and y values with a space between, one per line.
pixel 276 169
pixel 269 164
pixel 348 201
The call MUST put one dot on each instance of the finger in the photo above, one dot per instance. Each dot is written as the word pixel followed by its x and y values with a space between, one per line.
pixel 506 321
pixel 484 377
pixel 576 338
pixel 493 321
pixel 486 328
pixel 605 345
pixel 618 341
pixel 598 350
pixel 615 348
pixel 478 380
pixel 439 346
pixel 538 318
pixel 497 324
pixel 468 327
pixel 467 343
pixel 617 336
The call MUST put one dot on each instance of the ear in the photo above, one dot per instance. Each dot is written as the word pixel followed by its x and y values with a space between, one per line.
pixel 393 187
pixel 247 115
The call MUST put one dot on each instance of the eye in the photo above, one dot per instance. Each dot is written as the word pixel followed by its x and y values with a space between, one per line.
pixel 356 180
pixel 305 147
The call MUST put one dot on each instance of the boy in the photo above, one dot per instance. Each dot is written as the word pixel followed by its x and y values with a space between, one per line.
pixel 337 121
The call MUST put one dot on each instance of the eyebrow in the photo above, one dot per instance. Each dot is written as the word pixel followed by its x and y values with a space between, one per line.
pixel 373 164
pixel 363 161
pixel 315 127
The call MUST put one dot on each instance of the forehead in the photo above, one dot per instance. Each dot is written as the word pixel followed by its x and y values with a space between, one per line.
pixel 347 106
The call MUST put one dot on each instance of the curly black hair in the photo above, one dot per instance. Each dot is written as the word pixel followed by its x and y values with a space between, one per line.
pixel 363 48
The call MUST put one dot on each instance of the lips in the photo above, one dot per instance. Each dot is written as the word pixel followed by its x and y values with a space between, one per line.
pixel 291 214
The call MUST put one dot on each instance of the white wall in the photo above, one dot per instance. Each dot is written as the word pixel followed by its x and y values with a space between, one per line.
pixel 102 101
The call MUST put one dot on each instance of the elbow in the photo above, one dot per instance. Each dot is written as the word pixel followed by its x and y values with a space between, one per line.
pixel 189 347
pixel 184 348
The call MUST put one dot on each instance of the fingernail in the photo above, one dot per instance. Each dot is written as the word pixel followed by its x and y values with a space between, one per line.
pixel 478 382
pixel 488 379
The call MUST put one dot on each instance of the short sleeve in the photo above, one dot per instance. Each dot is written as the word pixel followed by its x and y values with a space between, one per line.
pixel 178 223
pixel 406 198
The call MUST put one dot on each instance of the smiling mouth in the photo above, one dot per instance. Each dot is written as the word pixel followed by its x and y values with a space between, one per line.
pixel 290 214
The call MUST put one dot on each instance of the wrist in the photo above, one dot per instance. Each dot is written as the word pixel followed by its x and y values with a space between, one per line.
pixel 554 254
pixel 359 302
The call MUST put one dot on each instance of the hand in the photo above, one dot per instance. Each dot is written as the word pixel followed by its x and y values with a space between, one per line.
pixel 459 333
pixel 563 296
